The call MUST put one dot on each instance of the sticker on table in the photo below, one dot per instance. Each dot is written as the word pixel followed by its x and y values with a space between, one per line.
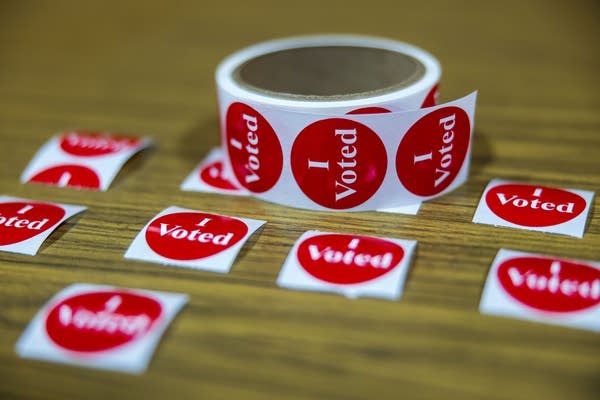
pixel 256 155
pixel 87 160
pixel 210 176
pixel 347 264
pixel 25 224
pixel 544 289
pixel 100 327
pixel 192 239
pixel 534 207
pixel 432 153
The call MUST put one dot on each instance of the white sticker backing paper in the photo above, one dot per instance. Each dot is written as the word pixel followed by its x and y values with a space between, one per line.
pixel 347 264
pixel 86 160
pixel 534 207
pixel 544 289
pixel 100 327
pixel 25 224
pixel 192 239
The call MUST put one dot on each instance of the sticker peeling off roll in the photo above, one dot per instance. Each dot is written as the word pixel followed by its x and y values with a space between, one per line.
pixel 336 123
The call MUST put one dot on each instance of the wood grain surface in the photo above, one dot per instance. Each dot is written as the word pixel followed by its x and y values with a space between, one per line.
pixel 146 68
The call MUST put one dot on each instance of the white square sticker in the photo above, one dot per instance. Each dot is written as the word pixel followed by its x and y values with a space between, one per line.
pixel 192 239
pixel 348 264
pixel 534 207
pixel 100 327
pixel 544 289
pixel 78 159
pixel 25 224
pixel 210 176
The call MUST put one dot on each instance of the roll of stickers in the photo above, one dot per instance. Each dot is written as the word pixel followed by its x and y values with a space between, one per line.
pixel 346 123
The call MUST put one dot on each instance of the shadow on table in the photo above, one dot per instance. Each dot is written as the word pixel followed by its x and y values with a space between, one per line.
pixel 482 153
pixel 198 140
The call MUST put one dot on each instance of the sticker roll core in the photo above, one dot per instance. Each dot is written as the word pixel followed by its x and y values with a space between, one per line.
pixel 341 123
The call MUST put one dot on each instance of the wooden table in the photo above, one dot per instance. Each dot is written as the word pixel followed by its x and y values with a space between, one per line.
pixel 147 68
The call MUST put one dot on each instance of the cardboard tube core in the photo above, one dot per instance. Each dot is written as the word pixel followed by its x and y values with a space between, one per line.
pixel 326 73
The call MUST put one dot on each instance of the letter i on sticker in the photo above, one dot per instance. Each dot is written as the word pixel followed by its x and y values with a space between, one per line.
pixel 543 289
pixel 192 239
pixel 100 327
pixel 350 265
pixel 534 207
pixel 25 224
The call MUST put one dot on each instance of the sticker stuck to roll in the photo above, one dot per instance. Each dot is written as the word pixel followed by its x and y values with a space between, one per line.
pixel 433 151
pixel 338 163
pixel 534 207
pixel 253 148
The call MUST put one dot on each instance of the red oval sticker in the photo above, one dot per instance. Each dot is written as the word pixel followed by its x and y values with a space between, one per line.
pixel 92 144
pixel 433 151
pixel 20 221
pixel 550 285
pixel 534 206
pixel 102 320
pixel 253 148
pixel 338 163
pixel 348 259
pixel 193 235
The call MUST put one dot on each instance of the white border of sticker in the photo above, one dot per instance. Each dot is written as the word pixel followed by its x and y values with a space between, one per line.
pixel 411 209
pixel 407 95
